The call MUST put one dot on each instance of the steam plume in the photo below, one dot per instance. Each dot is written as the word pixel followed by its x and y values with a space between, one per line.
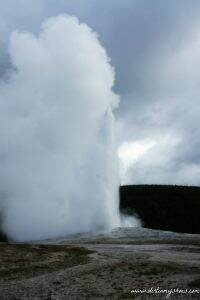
pixel 57 129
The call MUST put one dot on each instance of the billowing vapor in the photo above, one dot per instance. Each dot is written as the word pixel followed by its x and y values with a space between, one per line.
pixel 58 170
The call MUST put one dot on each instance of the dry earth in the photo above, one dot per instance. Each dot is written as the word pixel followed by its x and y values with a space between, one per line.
pixel 102 266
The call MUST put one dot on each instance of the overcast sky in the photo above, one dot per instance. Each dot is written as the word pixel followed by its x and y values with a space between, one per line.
pixel 154 46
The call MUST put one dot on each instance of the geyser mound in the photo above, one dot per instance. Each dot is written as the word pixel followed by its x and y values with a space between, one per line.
pixel 58 170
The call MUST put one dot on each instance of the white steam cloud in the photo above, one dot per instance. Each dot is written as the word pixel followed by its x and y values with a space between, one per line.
pixel 58 170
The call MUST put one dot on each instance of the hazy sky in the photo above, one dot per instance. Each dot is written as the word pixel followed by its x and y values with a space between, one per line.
pixel 155 49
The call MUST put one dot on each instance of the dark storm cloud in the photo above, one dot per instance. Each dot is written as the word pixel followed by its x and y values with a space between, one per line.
pixel 154 49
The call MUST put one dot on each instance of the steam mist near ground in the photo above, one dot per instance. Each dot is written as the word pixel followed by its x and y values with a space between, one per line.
pixel 58 170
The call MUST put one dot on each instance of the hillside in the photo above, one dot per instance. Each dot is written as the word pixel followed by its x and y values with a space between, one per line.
pixel 164 207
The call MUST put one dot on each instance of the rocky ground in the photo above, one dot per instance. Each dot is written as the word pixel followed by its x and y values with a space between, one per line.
pixel 103 266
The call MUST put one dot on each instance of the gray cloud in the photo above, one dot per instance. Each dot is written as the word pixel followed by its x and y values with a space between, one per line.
pixel 154 48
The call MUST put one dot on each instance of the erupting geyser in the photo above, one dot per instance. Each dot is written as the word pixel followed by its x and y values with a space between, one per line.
pixel 58 169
